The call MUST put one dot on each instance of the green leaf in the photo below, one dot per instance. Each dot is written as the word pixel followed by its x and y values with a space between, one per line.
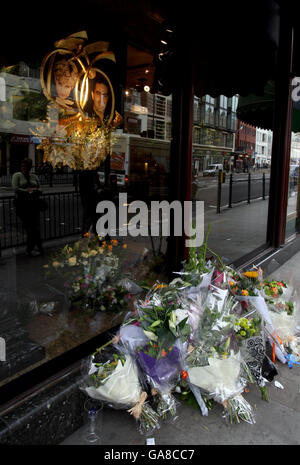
pixel 183 322
pixel 156 323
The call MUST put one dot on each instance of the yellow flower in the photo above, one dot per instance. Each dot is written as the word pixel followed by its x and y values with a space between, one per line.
pixel 72 261
pixel 231 283
pixel 56 264
pixel 245 292
pixel 84 254
pixel 92 253
pixel 251 274
pixel 124 246
pixel 100 250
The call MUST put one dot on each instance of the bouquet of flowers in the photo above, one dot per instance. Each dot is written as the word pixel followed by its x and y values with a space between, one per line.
pixel 92 274
pixel 250 334
pixel 163 317
pixel 215 363
pixel 113 377
pixel 245 288
pixel 197 273
pixel 160 365
pixel 222 380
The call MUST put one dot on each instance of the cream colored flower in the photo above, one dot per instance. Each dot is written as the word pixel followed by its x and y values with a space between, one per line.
pixel 56 264
pixel 101 250
pixel 85 255
pixel 72 261
pixel 93 253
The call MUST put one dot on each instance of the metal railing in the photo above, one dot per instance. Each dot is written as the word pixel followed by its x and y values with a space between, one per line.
pixel 46 179
pixel 242 190
pixel 62 218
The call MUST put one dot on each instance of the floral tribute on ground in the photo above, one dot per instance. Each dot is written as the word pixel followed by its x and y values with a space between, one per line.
pixel 203 339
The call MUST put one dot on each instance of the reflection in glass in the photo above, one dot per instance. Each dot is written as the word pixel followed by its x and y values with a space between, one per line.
pixel 292 220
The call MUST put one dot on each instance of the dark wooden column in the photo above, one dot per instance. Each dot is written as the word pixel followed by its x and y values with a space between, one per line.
pixel 281 138
pixel 181 155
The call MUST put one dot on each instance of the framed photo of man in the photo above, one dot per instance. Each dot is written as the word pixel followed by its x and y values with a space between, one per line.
pixel 100 103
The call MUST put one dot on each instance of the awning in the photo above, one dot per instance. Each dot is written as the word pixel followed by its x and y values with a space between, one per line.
pixel 258 110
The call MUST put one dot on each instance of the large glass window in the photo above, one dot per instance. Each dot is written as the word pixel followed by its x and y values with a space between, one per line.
pixel 292 221
pixel 237 208
pixel 62 284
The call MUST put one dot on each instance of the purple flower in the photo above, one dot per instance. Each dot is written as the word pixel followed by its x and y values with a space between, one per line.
pixel 161 370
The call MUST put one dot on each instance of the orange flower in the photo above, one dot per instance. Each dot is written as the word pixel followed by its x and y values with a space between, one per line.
pixel 114 242
pixel 163 353
pixel 231 283
pixel 103 244
pixel 274 290
pixel 245 292
pixel 109 247
pixel 184 374
pixel 251 274
pixel 87 234
pixel 124 246
pixel 159 286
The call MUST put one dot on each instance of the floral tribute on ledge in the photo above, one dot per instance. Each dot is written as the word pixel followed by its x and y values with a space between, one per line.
pixel 90 270
pixel 203 338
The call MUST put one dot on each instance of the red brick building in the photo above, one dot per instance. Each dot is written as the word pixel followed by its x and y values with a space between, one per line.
pixel 245 138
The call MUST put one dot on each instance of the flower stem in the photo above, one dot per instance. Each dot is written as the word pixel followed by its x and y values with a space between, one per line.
pixel 264 394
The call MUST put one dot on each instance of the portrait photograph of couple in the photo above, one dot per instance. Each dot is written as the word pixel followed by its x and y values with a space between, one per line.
pixel 98 102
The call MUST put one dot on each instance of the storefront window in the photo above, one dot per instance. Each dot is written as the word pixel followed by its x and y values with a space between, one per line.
pixel 292 220
pixel 235 209
pixel 87 136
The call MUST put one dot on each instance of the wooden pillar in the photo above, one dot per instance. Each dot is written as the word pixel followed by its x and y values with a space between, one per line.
pixel 181 156
pixel 279 178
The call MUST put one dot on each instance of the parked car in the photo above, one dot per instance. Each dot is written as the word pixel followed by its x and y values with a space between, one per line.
pixel 212 170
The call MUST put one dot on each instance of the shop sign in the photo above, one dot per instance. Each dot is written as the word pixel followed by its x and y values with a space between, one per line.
pixel 20 139
pixel 139 109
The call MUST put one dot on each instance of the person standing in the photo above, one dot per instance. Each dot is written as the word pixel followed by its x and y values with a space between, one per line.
pixel 27 189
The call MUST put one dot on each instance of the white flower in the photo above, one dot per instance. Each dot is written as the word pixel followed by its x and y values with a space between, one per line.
pixel 150 335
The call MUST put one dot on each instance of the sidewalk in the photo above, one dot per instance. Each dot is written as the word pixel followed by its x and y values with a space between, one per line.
pixel 277 421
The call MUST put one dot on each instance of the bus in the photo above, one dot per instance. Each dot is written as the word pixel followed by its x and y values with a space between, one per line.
pixel 140 165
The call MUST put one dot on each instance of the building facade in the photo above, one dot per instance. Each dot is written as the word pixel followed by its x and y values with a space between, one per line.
pixel 263 148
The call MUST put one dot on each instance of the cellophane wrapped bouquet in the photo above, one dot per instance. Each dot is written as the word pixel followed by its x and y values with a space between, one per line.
pixel 163 319
pixel 215 364
pixel 112 376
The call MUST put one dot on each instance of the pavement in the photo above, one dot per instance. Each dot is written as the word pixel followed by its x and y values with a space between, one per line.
pixel 277 421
